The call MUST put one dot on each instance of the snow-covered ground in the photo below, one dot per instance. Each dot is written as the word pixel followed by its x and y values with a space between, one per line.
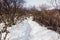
pixel 30 30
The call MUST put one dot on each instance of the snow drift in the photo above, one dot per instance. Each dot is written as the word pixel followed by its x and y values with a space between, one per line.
pixel 30 30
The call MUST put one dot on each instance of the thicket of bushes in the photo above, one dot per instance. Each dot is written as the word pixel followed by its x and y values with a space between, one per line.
pixel 49 18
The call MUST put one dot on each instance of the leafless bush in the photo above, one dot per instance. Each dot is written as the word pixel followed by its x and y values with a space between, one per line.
pixel 49 18
pixel 9 11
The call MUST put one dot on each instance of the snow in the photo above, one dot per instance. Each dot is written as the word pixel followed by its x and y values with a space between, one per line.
pixel 1 26
pixel 30 30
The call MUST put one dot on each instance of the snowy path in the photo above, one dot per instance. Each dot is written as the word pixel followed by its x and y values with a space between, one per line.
pixel 30 30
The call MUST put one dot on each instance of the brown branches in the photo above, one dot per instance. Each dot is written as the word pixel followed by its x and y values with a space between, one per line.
pixel 8 13
pixel 50 19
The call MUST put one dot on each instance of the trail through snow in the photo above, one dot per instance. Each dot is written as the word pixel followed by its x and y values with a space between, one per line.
pixel 30 30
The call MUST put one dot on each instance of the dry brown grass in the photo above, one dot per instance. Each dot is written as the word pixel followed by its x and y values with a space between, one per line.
pixel 49 18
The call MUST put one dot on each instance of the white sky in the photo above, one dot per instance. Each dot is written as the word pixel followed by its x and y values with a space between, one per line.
pixel 36 3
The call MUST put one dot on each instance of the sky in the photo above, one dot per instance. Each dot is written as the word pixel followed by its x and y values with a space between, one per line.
pixel 37 3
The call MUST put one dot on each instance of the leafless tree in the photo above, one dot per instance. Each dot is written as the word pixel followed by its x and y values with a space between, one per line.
pixel 8 12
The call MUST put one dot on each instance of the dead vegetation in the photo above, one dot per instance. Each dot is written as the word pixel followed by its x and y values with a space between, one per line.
pixel 49 18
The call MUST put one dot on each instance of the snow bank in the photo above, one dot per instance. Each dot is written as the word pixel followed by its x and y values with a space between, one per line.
pixel 1 26
pixel 30 30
